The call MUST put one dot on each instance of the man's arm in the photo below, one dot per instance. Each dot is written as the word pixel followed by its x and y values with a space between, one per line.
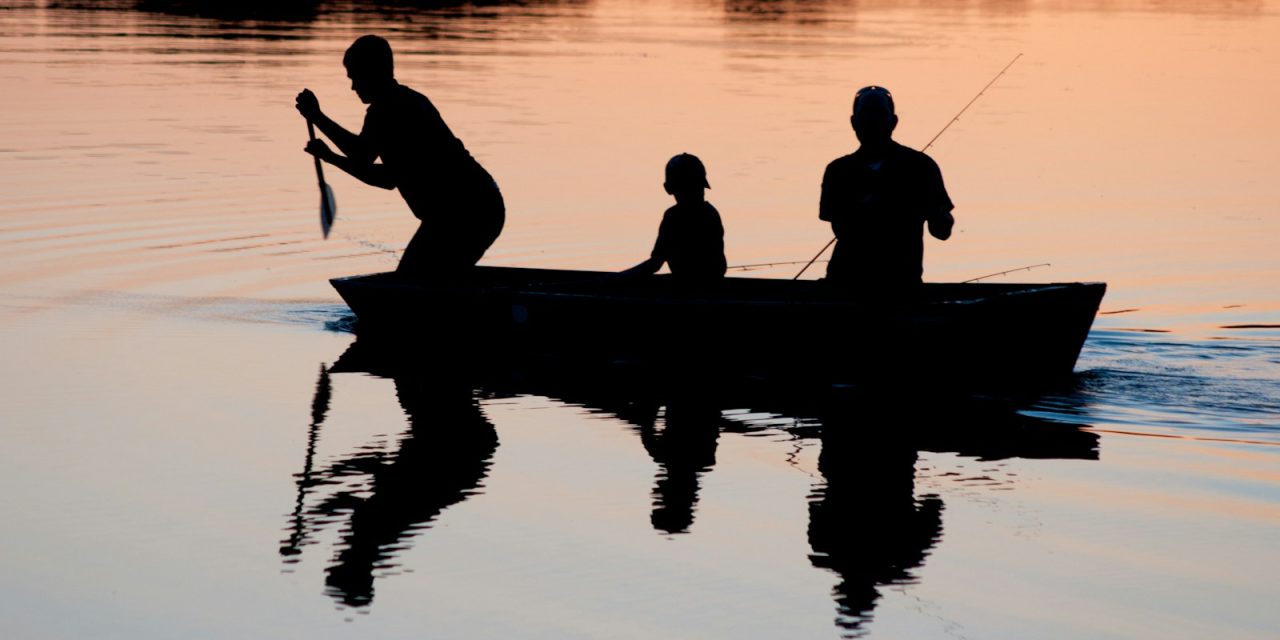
pixel 937 203
pixel 830 203
pixel 370 173
pixel 351 144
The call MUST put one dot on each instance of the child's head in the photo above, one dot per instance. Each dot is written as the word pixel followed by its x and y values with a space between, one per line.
pixel 686 176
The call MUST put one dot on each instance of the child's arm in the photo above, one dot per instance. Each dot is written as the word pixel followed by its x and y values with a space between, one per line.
pixel 657 257
pixel 646 268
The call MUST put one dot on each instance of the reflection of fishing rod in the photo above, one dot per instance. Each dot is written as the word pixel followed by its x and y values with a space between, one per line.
pixel 748 267
pixel 1000 273
pixel 926 148
pixel 319 407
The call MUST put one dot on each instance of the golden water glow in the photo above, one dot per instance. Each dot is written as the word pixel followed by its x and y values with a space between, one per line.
pixel 1132 143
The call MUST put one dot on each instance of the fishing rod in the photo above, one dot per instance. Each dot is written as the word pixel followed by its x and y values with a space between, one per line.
pixel 748 267
pixel 926 148
pixel 1001 273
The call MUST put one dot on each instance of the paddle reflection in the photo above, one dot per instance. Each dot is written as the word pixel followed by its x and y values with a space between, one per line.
pixel 387 498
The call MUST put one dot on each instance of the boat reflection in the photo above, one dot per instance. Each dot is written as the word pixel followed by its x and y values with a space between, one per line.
pixel 869 524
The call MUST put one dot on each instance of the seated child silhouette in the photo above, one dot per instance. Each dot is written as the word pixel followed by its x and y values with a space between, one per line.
pixel 691 237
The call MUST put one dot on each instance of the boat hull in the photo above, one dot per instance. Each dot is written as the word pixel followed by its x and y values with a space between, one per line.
pixel 951 333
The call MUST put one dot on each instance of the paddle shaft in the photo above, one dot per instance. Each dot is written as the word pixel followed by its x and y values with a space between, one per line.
pixel 311 130
pixel 926 148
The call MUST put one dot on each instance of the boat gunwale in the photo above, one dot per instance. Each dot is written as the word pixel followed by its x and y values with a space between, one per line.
pixel 545 289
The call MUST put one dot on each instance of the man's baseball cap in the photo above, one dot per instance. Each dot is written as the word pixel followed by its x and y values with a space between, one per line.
pixel 873 95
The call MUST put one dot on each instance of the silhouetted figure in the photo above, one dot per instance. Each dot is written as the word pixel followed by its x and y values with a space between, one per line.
pixel 390 497
pixel 686 449
pixel 865 523
pixel 877 200
pixel 458 202
pixel 691 237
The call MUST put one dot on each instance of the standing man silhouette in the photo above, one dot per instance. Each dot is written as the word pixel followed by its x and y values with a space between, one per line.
pixel 458 202
pixel 878 198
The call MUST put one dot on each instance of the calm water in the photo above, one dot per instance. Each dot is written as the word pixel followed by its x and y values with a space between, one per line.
pixel 196 448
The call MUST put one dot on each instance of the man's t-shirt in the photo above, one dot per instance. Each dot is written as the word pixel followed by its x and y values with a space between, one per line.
pixel 878 210
pixel 431 167
pixel 691 241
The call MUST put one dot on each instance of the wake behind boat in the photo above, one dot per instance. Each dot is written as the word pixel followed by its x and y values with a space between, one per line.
pixel 964 333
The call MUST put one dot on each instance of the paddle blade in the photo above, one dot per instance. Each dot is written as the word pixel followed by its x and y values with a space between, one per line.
pixel 328 210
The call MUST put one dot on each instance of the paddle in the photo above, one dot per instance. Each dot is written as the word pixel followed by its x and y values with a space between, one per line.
pixel 328 208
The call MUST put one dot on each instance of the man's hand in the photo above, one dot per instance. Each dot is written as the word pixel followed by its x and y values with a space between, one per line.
pixel 940 225
pixel 320 150
pixel 308 105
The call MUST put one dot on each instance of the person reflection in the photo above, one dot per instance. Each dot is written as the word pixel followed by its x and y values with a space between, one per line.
pixel 442 459
pixel 865 523
pixel 682 443
pixel 685 449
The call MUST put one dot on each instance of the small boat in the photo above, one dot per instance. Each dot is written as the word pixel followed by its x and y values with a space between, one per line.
pixel 957 334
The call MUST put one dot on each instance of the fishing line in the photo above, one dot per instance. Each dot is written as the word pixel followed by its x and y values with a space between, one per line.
pixel 926 148
pixel 371 244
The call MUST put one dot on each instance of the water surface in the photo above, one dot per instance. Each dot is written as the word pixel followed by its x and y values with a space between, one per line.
pixel 197 448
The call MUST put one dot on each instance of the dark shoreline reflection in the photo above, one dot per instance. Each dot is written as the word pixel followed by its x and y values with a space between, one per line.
pixel 302 10
pixel 868 524
pixel 796 12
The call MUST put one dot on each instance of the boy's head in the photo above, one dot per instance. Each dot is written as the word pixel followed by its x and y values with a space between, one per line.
pixel 370 66
pixel 685 175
